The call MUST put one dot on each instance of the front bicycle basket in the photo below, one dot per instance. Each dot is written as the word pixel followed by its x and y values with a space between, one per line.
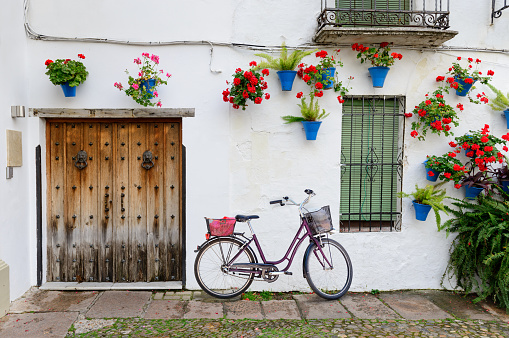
pixel 220 227
pixel 319 221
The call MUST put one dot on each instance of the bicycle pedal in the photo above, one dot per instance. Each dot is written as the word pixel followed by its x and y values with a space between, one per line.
pixel 288 273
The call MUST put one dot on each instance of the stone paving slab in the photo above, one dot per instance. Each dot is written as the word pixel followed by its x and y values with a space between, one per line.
pixel 35 325
pixel 243 309
pixel 165 309
pixel 196 309
pixel 56 301
pixel 280 309
pixel 313 307
pixel 413 306
pixel 461 307
pixel 119 304
pixel 366 306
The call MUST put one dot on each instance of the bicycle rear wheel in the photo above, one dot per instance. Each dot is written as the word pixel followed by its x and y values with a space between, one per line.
pixel 329 281
pixel 211 272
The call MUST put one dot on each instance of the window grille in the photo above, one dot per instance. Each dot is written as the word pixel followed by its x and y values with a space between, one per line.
pixel 371 163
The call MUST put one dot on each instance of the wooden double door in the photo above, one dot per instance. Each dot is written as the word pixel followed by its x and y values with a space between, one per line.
pixel 114 201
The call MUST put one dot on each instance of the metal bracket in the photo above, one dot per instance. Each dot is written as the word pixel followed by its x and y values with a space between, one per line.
pixel 81 160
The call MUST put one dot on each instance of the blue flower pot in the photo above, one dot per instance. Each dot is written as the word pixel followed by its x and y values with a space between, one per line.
pixel 505 185
pixel 469 150
pixel 431 177
pixel 472 192
pixel 466 87
pixel 421 211
pixel 328 77
pixel 506 113
pixel 378 75
pixel 68 90
pixel 286 78
pixel 311 129
pixel 149 85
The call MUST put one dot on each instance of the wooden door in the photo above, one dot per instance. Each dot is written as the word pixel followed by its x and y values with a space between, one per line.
pixel 114 201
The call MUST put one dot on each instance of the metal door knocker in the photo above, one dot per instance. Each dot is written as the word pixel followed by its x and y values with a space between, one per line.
pixel 81 160
pixel 147 160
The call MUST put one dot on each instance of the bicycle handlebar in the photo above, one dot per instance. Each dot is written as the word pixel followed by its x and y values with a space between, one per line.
pixel 286 199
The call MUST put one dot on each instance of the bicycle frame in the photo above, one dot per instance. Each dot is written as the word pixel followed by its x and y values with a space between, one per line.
pixel 294 246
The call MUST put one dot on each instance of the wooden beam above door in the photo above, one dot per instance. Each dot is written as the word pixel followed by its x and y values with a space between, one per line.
pixel 111 113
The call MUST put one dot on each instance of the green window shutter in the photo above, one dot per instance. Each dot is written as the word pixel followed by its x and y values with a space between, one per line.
pixel 379 12
pixel 369 162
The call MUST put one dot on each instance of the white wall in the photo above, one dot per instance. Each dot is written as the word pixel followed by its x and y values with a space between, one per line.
pixel 236 160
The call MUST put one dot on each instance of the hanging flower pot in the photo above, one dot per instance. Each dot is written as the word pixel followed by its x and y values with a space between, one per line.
pixel 378 75
pixel 466 86
pixel 472 192
pixel 506 113
pixel 431 174
pixel 421 210
pixel 68 90
pixel 286 77
pixel 328 77
pixel 505 185
pixel 311 129
pixel 149 85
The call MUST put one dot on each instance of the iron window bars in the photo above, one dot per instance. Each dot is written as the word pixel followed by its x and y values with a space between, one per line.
pixel 384 13
pixel 371 163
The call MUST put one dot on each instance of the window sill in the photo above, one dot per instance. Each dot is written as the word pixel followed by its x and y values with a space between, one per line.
pixel 400 36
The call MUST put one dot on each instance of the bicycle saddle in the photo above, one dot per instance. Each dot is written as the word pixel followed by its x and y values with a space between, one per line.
pixel 243 218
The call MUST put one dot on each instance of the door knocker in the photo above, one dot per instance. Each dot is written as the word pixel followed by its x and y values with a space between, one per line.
pixel 81 160
pixel 147 160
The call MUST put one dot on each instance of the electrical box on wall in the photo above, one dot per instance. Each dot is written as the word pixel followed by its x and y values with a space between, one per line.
pixel 14 147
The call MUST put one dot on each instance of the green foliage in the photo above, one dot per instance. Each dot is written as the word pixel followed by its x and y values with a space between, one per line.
pixel 499 102
pixel 66 70
pixel 285 61
pixel 375 292
pixel 480 252
pixel 429 195
pixel 310 112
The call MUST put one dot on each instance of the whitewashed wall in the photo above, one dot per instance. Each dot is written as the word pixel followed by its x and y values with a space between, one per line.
pixel 236 160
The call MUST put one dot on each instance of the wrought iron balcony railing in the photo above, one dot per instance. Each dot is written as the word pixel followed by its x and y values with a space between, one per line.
pixel 385 13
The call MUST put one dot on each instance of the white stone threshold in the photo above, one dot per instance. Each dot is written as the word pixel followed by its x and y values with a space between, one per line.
pixel 90 286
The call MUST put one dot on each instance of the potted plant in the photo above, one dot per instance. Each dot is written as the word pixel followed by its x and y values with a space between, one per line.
pixel 446 168
pixel 285 65
pixel 380 60
pixel 500 102
pixel 463 79
pixel 311 116
pixel 482 146
pixel 502 176
pixel 246 85
pixel 475 183
pixel 425 199
pixel 434 114
pixel 67 73
pixel 142 89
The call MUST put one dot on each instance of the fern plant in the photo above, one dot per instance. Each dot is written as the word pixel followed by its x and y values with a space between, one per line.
pixel 310 112
pixel 499 102
pixel 284 61
pixel 429 195
pixel 480 252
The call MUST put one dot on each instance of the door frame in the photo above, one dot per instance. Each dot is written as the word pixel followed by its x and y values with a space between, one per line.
pixel 182 203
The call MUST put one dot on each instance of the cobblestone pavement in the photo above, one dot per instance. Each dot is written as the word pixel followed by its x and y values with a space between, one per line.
pixel 300 328
pixel 411 313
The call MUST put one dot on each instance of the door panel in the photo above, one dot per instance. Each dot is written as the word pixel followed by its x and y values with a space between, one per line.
pixel 114 214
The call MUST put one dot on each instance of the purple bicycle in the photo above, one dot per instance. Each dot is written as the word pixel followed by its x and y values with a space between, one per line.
pixel 226 265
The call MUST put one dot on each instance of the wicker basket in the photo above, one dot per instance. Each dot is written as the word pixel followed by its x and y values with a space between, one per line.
pixel 319 221
pixel 220 227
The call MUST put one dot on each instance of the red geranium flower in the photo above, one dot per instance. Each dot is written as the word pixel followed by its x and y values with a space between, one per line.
pixel 414 134
pixel 48 62
pixel 491 73
pixel 299 95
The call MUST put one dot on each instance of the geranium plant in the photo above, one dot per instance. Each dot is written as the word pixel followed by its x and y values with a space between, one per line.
pixel 468 74
pixel 449 168
pixel 62 71
pixel 378 56
pixel 482 147
pixel 247 85
pixel 434 114
pixel 142 89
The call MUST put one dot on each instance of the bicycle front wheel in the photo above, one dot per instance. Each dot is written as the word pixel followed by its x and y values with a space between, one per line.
pixel 328 271
pixel 211 272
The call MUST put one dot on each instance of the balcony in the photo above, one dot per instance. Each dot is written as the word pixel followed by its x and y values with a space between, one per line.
pixel 415 23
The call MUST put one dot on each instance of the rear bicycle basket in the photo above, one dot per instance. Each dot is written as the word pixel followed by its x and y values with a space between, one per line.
pixel 319 221
pixel 220 227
